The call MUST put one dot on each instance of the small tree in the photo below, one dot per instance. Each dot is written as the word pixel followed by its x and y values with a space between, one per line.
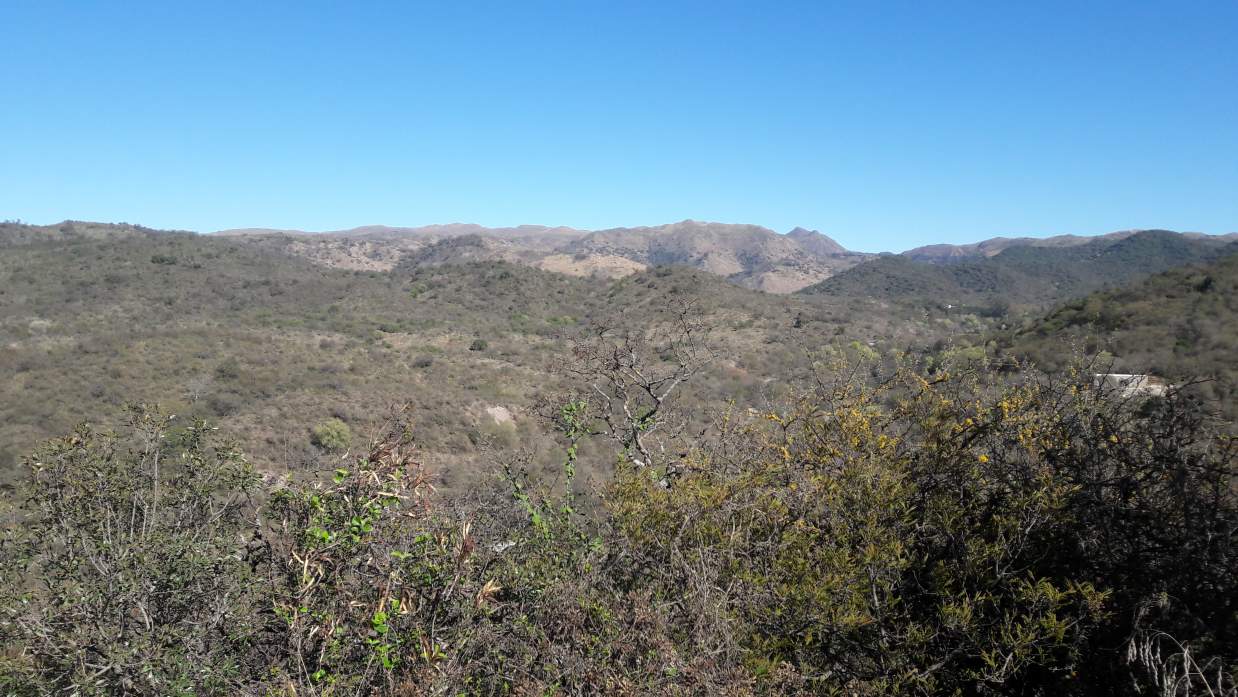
pixel 630 376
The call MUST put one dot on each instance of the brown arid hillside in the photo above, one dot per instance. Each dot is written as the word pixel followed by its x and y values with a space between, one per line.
pixel 750 255
pixel 466 248
pixel 381 248
pixel 816 242
pixel 599 265
pixel 534 235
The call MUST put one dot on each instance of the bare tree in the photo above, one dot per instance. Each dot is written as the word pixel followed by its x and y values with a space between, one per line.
pixel 197 388
pixel 629 376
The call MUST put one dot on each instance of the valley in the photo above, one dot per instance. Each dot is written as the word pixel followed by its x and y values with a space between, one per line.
pixel 269 333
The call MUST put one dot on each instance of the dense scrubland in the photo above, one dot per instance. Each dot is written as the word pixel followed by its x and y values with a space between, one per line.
pixel 1182 324
pixel 944 532
pixel 659 484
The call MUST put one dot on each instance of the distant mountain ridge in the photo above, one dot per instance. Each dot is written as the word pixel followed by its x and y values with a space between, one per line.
pixel 1027 269
pixel 438 230
pixel 1025 274
pixel 946 253
pixel 1179 324
pixel 750 255
pixel 816 242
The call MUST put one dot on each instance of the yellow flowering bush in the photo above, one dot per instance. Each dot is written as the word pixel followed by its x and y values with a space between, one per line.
pixel 926 536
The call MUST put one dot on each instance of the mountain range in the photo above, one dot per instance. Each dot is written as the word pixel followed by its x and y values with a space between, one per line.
pixel 1020 269
pixel 750 255
pixel 1025 274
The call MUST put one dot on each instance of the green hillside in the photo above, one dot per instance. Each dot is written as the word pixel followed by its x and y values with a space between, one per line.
pixel 1181 324
pixel 1020 275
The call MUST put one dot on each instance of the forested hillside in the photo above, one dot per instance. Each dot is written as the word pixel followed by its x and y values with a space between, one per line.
pixel 1022 275
pixel 1182 325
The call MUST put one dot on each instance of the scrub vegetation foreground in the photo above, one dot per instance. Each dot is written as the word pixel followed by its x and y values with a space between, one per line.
pixel 884 529
pixel 659 484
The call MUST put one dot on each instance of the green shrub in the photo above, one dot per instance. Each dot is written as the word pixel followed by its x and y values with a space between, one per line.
pixel 127 574
pixel 331 435
pixel 229 369
pixel 952 534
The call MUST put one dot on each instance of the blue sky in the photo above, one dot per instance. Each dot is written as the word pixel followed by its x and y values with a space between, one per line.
pixel 885 125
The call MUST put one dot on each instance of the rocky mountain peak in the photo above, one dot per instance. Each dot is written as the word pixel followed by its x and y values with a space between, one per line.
pixel 815 242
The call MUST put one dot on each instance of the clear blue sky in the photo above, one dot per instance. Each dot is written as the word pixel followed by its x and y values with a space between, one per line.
pixel 886 125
